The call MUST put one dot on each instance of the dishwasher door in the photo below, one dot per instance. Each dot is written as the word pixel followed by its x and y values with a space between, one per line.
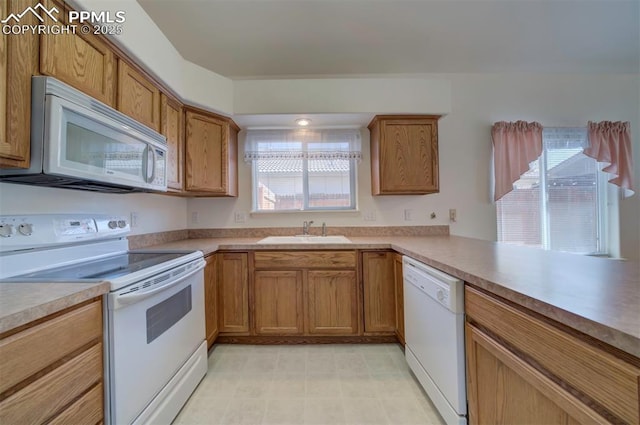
pixel 434 336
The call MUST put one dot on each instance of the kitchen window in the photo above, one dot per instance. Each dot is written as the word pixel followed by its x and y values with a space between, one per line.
pixel 303 169
pixel 559 203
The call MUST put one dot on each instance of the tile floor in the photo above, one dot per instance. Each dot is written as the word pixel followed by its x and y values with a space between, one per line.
pixel 308 384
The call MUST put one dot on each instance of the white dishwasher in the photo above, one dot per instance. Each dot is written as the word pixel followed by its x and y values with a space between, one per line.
pixel 434 336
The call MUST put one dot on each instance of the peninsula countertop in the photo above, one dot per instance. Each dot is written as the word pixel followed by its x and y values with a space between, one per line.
pixel 599 297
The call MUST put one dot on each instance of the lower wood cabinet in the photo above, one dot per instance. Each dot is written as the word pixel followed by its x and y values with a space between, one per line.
pixel 379 291
pixel 211 298
pixel 332 306
pixel 399 283
pixel 278 303
pixel 523 368
pixel 52 371
pixel 233 287
pixel 311 293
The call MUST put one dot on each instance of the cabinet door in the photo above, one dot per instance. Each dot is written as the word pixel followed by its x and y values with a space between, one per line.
pixel 503 389
pixel 171 127
pixel 404 156
pixel 211 299
pixel 207 153
pixel 278 302
pixel 83 61
pixel 233 301
pixel 399 283
pixel 379 292
pixel 18 62
pixel 331 302
pixel 138 97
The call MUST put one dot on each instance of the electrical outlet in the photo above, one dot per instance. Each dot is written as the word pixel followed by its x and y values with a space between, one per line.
pixel 195 217
pixel 134 219
pixel 408 215
pixel 453 215
pixel 370 216
pixel 240 217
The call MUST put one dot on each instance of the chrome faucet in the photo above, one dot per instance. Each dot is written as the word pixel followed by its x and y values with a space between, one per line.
pixel 305 227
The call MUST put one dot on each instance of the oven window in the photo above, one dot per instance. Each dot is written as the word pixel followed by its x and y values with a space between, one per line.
pixel 163 315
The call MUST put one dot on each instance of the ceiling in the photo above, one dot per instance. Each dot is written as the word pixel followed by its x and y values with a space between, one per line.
pixel 312 38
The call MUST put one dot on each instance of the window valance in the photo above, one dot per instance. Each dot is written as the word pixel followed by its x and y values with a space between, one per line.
pixel 303 144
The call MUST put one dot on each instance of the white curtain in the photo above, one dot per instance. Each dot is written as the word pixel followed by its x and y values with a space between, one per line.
pixel 303 143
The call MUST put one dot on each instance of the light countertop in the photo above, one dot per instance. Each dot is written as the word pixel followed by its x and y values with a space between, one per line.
pixel 597 296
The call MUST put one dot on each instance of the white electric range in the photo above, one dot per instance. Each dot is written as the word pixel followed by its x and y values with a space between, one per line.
pixel 155 348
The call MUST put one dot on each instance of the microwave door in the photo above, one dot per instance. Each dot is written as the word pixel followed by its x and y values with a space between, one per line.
pixel 87 145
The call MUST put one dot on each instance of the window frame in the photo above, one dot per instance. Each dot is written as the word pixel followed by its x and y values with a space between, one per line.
pixel 602 246
pixel 353 178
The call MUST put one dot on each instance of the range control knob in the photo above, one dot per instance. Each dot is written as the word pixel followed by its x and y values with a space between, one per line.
pixel 113 224
pixel 122 224
pixel 25 229
pixel 440 295
pixel 6 230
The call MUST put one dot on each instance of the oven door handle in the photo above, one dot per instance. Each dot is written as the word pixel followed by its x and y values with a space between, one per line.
pixel 134 297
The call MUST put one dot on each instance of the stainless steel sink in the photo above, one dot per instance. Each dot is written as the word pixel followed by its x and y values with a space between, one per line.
pixel 303 239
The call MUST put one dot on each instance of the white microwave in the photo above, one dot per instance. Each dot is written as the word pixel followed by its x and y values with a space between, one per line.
pixel 78 142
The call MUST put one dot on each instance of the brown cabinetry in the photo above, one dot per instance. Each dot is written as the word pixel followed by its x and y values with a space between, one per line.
pixel 399 284
pixel 305 293
pixel 332 307
pixel 211 151
pixel 278 302
pixel 138 97
pixel 404 154
pixel 18 62
pixel 211 298
pixel 83 61
pixel 522 368
pixel 171 126
pixel 379 291
pixel 53 371
pixel 233 286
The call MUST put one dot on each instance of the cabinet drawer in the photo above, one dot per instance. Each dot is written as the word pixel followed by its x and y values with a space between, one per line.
pixel 86 410
pixel 305 259
pixel 602 377
pixel 33 349
pixel 41 399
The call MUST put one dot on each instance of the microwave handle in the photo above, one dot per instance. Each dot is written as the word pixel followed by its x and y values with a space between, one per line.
pixel 150 153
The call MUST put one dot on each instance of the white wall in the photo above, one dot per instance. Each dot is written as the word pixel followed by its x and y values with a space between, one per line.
pixel 156 213
pixel 465 155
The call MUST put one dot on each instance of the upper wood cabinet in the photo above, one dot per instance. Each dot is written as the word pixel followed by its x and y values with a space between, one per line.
pixel 233 296
pixel 138 97
pixel 211 298
pixel 211 150
pixel 171 126
pixel 18 62
pixel 83 61
pixel 379 291
pixel 404 154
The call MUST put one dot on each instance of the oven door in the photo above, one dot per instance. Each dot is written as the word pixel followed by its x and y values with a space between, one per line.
pixel 153 330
